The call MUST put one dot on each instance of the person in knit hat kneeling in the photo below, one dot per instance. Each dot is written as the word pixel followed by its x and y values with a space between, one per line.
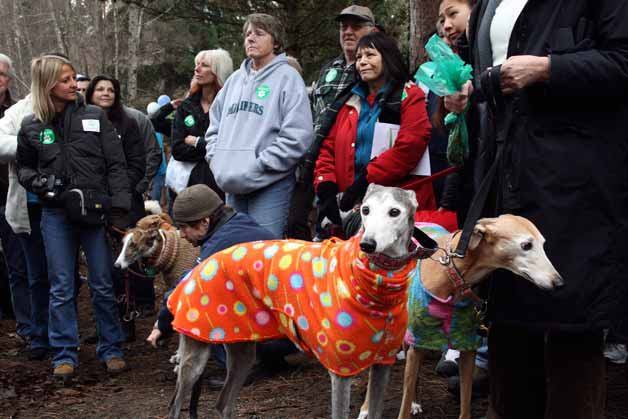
pixel 204 220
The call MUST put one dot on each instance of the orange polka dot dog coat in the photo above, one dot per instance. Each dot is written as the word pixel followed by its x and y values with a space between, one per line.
pixel 326 297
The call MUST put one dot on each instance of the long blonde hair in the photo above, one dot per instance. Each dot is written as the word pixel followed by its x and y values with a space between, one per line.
pixel 45 71
pixel 220 62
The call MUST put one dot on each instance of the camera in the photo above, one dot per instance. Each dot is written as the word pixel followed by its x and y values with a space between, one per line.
pixel 52 186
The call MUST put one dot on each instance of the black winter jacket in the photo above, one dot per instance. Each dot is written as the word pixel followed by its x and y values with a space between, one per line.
pixel 190 119
pixel 160 120
pixel 565 153
pixel 135 154
pixel 94 156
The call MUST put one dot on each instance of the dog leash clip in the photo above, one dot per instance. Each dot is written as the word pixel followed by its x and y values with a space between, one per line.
pixel 445 259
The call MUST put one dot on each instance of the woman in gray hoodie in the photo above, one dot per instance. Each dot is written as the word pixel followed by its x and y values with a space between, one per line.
pixel 261 126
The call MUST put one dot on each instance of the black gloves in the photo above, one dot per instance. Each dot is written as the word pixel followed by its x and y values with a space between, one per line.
pixel 355 192
pixel 119 218
pixel 327 204
pixel 39 185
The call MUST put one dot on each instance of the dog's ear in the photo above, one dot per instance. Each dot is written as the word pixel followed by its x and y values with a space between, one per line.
pixel 481 231
pixel 370 189
pixel 149 222
pixel 413 202
pixel 165 218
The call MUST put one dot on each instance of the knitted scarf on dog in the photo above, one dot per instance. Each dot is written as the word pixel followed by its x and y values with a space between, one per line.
pixel 326 297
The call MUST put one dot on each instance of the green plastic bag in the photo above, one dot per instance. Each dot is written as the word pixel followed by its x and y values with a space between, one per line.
pixel 444 75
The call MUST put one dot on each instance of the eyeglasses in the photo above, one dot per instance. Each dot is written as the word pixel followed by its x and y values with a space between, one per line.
pixel 5 75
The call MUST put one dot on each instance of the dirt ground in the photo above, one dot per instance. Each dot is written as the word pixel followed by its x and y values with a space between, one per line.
pixel 27 389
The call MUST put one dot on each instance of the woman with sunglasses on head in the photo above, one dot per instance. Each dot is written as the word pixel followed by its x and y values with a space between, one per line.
pixel 69 155
pixel 211 70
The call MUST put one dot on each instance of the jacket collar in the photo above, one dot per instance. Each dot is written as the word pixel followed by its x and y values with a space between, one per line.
pixel 227 214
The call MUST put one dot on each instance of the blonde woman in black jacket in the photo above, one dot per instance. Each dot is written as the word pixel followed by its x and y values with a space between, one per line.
pixel 71 157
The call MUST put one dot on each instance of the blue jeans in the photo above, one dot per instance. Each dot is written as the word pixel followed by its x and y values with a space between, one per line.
pixel 34 251
pixel 481 356
pixel 62 239
pixel 268 206
pixel 18 280
pixel 158 185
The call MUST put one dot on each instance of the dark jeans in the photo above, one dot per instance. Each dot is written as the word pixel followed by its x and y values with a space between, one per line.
pixel 17 279
pixel 33 247
pixel 545 375
pixel 62 240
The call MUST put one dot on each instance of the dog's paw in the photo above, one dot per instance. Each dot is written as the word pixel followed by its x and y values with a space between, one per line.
pixel 174 359
pixel 364 414
pixel 416 408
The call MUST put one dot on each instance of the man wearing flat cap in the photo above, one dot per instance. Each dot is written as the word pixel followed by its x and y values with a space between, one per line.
pixel 329 93
pixel 204 220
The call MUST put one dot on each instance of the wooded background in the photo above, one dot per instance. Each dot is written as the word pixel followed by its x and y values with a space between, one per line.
pixel 149 45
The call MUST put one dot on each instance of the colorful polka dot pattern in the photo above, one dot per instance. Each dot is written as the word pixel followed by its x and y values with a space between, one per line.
pixel 325 297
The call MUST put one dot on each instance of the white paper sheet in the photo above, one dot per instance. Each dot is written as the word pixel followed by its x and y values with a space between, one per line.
pixel 384 137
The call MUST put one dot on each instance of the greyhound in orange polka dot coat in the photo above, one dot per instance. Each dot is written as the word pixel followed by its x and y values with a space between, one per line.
pixel 344 302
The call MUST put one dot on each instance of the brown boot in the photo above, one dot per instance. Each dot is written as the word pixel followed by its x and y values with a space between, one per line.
pixel 115 365
pixel 63 371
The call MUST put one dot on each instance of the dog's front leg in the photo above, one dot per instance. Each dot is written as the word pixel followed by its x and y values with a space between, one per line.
pixel 240 360
pixel 379 375
pixel 340 396
pixel 193 356
pixel 410 376
pixel 466 365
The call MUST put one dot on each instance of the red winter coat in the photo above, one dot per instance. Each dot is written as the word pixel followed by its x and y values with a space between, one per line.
pixel 336 160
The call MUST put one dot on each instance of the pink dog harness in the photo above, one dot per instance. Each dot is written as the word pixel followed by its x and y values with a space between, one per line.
pixel 326 297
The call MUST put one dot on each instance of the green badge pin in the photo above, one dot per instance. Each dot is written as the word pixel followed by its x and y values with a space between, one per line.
pixel 262 91
pixel 47 136
pixel 331 75
pixel 189 121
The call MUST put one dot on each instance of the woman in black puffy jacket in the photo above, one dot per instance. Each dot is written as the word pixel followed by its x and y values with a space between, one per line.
pixel 212 68
pixel 69 155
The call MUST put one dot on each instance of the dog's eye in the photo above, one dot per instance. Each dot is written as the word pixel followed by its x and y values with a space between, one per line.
pixel 526 246
pixel 365 210
pixel 394 212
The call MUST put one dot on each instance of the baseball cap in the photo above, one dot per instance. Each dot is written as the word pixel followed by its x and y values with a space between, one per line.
pixel 357 12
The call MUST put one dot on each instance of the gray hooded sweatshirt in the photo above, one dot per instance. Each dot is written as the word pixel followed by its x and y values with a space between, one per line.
pixel 260 127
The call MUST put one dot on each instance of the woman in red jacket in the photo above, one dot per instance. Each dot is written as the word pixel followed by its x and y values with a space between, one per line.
pixel 382 95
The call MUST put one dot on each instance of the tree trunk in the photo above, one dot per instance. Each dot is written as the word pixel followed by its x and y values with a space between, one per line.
pixel 423 16
pixel 116 42
pixel 58 33
pixel 135 35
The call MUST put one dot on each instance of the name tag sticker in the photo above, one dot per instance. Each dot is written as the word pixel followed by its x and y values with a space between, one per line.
pixel 91 125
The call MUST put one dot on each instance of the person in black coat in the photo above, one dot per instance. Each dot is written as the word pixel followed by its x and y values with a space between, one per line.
pixel 104 92
pixel 68 154
pixel 212 68
pixel 553 103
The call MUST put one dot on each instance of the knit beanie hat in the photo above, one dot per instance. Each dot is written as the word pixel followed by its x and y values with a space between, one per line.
pixel 195 203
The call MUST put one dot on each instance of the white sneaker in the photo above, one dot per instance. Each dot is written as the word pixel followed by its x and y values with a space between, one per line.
pixel 616 353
